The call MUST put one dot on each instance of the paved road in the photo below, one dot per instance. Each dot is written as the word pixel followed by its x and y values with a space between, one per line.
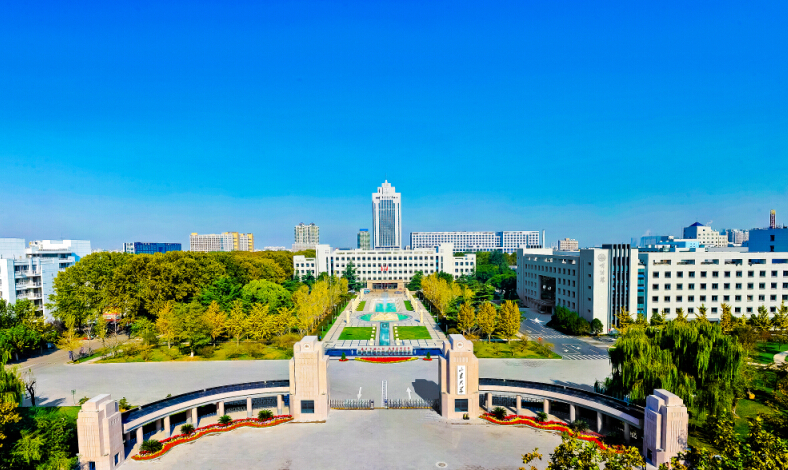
pixel 380 439
pixel 570 348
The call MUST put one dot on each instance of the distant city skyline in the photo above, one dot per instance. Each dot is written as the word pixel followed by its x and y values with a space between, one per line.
pixel 599 122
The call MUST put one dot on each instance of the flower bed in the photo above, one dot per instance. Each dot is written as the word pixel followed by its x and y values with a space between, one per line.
pixel 173 441
pixel 551 426
pixel 427 358
pixel 385 360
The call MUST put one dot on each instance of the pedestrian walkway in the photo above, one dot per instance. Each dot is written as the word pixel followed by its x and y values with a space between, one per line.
pixel 584 357
pixel 779 358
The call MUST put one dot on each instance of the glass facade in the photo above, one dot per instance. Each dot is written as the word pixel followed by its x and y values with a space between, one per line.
pixel 140 248
pixel 387 217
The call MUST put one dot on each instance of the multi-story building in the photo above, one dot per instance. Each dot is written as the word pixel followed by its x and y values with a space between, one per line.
pixel 306 237
pixel 705 235
pixel 227 241
pixel 507 242
pixel 29 272
pixel 688 279
pixel 139 248
pixel 568 244
pixel 363 239
pixel 388 266
pixel 275 248
pixel 668 241
pixel 771 239
pixel 736 236
pixel 386 217
pixel 594 282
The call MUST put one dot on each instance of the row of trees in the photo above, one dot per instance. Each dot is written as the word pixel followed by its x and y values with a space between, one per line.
pixel 571 322
pixel 21 328
pixel 140 285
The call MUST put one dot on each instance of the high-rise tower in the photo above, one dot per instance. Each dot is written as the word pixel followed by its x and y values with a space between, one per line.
pixel 386 217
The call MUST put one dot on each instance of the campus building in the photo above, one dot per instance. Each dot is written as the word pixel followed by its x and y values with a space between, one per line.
pixel 392 266
pixel 386 217
pixel 227 241
pixel 705 235
pixel 364 242
pixel 139 248
pixel 594 282
pixel 29 272
pixel 306 237
pixel 507 242
pixel 568 244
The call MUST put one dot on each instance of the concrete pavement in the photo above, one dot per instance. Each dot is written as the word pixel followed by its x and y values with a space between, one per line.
pixel 569 347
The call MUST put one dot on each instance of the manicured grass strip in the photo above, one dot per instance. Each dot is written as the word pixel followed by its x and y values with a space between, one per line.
pixel 412 332
pixel 385 360
pixel 178 439
pixel 408 305
pixel 552 426
pixel 764 352
pixel 361 305
pixel 362 333
pixel 511 349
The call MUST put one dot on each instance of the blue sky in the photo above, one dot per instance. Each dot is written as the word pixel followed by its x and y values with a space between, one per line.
pixel 601 121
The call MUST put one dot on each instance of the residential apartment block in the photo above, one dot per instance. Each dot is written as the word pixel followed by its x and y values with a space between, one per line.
pixel 705 235
pixel 507 242
pixel 364 240
pixel 227 241
pixel 386 264
pixel 138 248
pixel 568 244
pixel 29 272
pixel 306 237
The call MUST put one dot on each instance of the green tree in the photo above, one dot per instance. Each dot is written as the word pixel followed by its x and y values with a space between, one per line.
pixel 487 318
pixel 267 293
pixel 657 319
pixel 19 339
pixel 223 291
pixel 216 320
pixel 353 282
pixel 415 281
pixel 596 326
pixel 702 315
pixel 680 316
pixel 694 360
pixel 726 320
pixel 191 325
pixel 624 319
pixel 761 322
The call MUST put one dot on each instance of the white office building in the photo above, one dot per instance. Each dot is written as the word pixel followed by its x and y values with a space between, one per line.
pixel 386 217
pixel 227 241
pixel 28 272
pixel 705 235
pixel 507 242
pixel 386 265
pixel 594 282
pixel 306 237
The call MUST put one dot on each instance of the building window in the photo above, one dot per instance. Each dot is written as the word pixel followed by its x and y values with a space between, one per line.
pixel 713 309
pixel 691 298
pixel 653 286
pixel 774 273
pixel 727 274
pixel 750 273
pixel 116 459
pixel 715 274
pixel 726 286
pixel 738 285
pixel 726 298
pixel 750 285
pixel 702 298
pixel 678 298
pixel 667 298
pixel 679 286
pixel 460 405
pixel 654 311
pixel 680 274
pixel 691 310
pixel 749 309
pixel 667 286
pixel 713 298
pixel 703 274
pixel 714 286
pixel 655 299
pixel 655 274
pixel 308 406
pixel 762 273
pixel 772 297
pixel 761 298
pixel 692 274
pixel 692 287
pixel 703 287
pixel 667 275
pixel 737 309
pixel 738 274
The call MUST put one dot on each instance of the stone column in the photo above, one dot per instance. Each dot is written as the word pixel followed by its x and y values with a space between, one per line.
pixel 488 402
pixel 195 418
pixel 599 417
pixel 220 408
pixel 546 406
pixel 140 437
pixel 665 427
pixel 519 405
pixel 309 381
pixel 167 426
pixel 627 434
pixel 458 378
pixel 249 407
pixel 158 426
pixel 279 405
pixel 571 413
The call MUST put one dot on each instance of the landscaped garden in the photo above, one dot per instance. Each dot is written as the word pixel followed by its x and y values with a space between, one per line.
pixel 411 332
pixel 361 333
pixel 408 305
pixel 280 348
pixel 361 306
pixel 764 352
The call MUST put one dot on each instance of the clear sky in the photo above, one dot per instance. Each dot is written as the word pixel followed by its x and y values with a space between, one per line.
pixel 601 121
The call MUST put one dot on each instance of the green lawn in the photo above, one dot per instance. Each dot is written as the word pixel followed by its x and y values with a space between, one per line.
pixel 282 348
pixel 361 305
pixel 408 306
pixel 362 333
pixel 764 352
pixel 513 349
pixel 412 332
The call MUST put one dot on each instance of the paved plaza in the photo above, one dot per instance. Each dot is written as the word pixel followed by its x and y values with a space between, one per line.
pixel 379 439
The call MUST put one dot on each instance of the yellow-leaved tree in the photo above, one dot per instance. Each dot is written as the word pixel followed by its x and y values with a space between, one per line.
pixel 259 324
pixel 216 319
pixel 487 318
pixel 166 324
pixel 509 324
pixel 237 323
pixel 466 318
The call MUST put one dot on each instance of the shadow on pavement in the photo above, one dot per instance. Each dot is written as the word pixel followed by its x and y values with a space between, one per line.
pixel 426 389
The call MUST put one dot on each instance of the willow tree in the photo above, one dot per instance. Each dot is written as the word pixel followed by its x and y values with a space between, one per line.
pixel 694 360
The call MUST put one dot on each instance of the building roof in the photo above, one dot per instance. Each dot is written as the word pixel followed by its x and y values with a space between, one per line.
pixel 697 224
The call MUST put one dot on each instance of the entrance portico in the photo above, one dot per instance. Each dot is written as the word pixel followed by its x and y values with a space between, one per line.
pixel 386 285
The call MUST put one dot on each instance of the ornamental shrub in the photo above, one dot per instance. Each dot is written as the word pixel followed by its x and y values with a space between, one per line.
pixel 264 415
pixel 499 412
pixel 541 416
pixel 428 355
pixel 151 445
pixel 579 425
pixel 187 429
pixel 343 356
pixel 226 419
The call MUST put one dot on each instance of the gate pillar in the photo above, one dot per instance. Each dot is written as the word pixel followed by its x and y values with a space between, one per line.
pixel 100 434
pixel 665 428
pixel 309 381
pixel 458 374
